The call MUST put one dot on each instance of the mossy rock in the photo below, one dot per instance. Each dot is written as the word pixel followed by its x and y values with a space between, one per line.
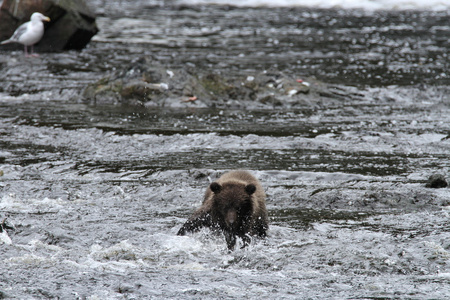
pixel 215 85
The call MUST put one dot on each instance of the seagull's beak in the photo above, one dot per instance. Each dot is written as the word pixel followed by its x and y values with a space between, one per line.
pixel 47 19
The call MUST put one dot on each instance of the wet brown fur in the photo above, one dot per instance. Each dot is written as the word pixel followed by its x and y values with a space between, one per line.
pixel 234 204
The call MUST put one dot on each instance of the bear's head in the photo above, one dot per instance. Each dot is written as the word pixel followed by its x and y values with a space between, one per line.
pixel 232 206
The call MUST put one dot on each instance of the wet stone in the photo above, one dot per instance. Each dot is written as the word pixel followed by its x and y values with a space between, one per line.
pixel 437 181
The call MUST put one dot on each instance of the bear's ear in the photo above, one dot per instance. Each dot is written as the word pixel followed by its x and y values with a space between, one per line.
pixel 215 187
pixel 250 188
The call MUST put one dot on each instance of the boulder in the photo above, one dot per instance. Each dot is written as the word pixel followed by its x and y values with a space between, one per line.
pixel 72 23
pixel 436 181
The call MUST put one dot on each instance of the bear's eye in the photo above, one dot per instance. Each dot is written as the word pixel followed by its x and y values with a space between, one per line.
pixel 246 207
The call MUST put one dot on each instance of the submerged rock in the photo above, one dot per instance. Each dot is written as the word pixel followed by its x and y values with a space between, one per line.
pixel 436 181
pixel 72 23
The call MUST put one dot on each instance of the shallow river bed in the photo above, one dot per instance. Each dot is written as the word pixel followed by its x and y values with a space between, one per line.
pixel 96 193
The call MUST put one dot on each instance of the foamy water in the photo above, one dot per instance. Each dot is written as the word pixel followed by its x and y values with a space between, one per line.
pixel 93 195
pixel 344 4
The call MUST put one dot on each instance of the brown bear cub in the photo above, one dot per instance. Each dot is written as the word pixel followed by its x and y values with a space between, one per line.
pixel 235 204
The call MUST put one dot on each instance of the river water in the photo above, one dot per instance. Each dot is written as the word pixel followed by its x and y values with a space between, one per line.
pixel 96 193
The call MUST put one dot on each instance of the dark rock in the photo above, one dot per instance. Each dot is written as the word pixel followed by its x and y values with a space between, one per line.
pixel 125 289
pixel 137 85
pixel 3 295
pixel 198 174
pixel 141 90
pixel 72 23
pixel 270 100
pixel 436 181
pixel 57 237
pixel 4 225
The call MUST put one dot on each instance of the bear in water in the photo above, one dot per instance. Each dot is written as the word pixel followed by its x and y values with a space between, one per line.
pixel 235 204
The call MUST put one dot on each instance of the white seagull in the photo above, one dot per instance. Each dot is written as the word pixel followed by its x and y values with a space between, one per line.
pixel 29 33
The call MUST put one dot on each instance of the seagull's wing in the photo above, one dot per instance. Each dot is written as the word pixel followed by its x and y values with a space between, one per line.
pixel 19 31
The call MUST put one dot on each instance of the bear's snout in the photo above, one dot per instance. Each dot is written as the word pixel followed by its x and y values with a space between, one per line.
pixel 231 217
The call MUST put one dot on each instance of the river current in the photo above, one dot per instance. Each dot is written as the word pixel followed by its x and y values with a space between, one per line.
pixel 94 194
